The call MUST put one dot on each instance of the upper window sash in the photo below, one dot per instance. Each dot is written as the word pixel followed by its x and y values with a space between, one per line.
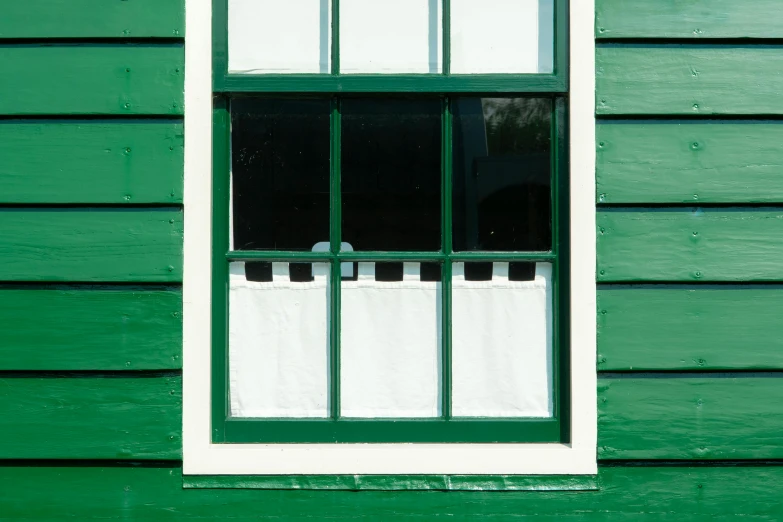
pixel 334 79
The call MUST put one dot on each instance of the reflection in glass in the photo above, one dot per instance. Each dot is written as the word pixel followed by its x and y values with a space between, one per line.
pixel 391 174
pixel 501 165
pixel 279 173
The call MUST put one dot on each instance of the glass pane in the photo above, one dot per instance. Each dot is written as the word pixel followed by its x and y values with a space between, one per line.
pixel 391 174
pixel 390 343
pixel 273 36
pixel 502 36
pixel 279 173
pixel 502 157
pixel 378 36
pixel 278 339
pixel 501 342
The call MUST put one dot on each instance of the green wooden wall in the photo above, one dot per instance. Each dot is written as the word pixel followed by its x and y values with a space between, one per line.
pixel 690 219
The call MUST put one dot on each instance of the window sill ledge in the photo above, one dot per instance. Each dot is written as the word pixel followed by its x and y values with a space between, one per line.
pixel 397 482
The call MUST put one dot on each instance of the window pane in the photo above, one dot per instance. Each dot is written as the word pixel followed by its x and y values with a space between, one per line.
pixel 502 156
pixel 278 340
pixel 270 36
pixel 502 36
pixel 280 173
pixel 501 343
pixel 378 36
pixel 390 344
pixel 391 174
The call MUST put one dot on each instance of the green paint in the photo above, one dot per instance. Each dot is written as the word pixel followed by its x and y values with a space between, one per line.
pixel 93 19
pixel 221 162
pixel 90 328
pixel 689 162
pixel 690 328
pixel 433 83
pixel 716 417
pixel 91 245
pixel 335 239
pixel 399 482
pixel 90 417
pixel 690 244
pixel 91 161
pixel 85 79
pixel 691 19
pixel 688 79
pixel 636 493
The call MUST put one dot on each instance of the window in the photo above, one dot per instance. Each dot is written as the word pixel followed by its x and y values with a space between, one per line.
pixel 390 230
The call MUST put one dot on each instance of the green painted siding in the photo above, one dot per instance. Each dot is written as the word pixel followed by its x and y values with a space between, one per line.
pixel 685 417
pixel 92 79
pixel 121 162
pixel 688 19
pixel 93 19
pixel 90 328
pixel 690 244
pixel 690 327
pixel 687 161
pixel 96 244
pixel 90 417
pixel 91 169
pixel 627 493
pixel 639 79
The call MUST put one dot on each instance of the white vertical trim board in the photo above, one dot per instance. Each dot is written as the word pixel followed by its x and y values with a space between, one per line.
pixel 201 457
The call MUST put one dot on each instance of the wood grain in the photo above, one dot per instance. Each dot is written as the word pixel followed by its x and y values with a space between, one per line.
pixel 690 328
pixel 690 244
pixel 90 328
pixel 691 19
pixel 91 161
pixel 688 79
pixel 92 79
pixel 689 162
pixel 93 19
pixel 717 417
pixel 634 493
pixel 91 245
pixel 90 417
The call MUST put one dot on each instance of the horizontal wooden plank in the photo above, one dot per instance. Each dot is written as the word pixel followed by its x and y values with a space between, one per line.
pixel 90 417
pixel 688 79
pixel 91 245
pixel 690 328
pixel 689 161
pixel 90 328
pixel 627 493
pixel 709 244
pixel 93 19
pixel 690 418
pixel 691 19
pixel 92 79
pixel 91 161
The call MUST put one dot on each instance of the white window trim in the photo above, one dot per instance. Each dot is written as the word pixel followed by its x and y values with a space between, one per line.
pixel 201 457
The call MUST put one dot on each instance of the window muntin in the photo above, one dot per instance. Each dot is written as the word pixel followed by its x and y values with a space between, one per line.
pixel 447 427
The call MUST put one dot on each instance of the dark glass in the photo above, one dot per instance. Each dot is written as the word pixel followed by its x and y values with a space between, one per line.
pixel 280 173
pixel 502 174
pixel 391 170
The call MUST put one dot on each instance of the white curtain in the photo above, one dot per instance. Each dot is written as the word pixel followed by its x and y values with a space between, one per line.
pixel 278 338
pixel 390 350
pixel 502 344
pixel 391 345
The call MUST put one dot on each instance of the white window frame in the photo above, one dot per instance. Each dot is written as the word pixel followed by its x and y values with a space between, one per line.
pixel 202 457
